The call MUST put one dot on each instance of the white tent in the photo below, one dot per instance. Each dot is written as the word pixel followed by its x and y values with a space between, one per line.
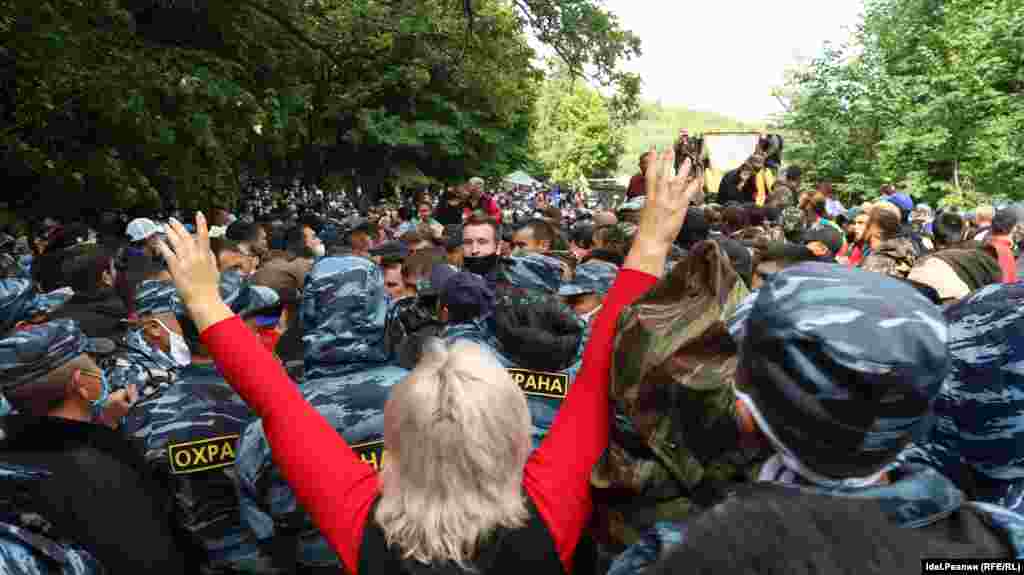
pixel 520 178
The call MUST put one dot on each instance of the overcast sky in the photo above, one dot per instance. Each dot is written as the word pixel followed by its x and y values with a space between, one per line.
pixel 726 55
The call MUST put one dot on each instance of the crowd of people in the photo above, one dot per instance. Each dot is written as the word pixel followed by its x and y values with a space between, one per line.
pixel 773 384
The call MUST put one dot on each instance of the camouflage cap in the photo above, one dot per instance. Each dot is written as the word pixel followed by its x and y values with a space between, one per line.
pixel 242 296
pixel 19 301
pixel 532 272
pixel 30 353
pixel 592 277
pixel 154 297
pixel 840 366
pixel 344 311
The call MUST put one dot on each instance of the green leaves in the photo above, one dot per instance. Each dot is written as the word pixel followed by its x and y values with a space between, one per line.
pixel 924 98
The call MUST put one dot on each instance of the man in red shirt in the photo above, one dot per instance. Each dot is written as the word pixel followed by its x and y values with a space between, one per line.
pixel 636 183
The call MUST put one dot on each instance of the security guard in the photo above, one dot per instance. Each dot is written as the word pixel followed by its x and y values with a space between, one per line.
pixel 348 379
pixel 74 496
pixel 189 432
pixel 155 350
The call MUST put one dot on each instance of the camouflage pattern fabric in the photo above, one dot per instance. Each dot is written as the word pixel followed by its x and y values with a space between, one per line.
pixel 189 436
pixel 155 297
pixel 534 272
pixel 348 382
pixel 19 301
pixel 792 221
pixel 350 337
pixel 593 277
pixel 978 435
pixel 674 443
pixel 140 364
pixel 28 354
pixel 28 543
pixel 916 497
pixel 894 257
pixel 354 406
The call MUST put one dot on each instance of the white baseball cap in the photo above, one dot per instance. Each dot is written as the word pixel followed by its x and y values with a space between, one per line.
pixel 142 228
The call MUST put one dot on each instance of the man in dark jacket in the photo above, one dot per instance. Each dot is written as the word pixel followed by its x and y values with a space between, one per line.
pixel 67 478
pixel 95 306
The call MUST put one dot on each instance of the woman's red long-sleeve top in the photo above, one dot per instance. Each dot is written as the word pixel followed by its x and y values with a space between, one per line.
pixel 338 489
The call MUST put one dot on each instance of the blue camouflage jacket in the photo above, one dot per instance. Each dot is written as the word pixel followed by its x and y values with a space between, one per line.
pixel 25 546
pixel 978 436
pixel 348 380
pixel 189 435
pixel 141 364
pixel 918 497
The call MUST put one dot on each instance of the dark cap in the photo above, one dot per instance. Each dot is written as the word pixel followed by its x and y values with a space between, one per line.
pixel 467 296
pixel 28 354
pixel 394 249
pixel 827 235
pixel 439 276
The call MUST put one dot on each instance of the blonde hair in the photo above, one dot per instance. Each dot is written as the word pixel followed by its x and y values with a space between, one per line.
pixel 457 431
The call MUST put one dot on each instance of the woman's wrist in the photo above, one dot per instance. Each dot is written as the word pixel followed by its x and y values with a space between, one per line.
pixel 648 255
pixel 208 312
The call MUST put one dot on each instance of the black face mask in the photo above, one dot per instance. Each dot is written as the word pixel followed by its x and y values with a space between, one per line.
pixel 480 265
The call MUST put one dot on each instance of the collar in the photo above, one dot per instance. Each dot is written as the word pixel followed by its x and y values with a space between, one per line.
pixel 30 433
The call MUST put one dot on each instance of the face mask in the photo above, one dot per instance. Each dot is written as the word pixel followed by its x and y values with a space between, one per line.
pixel 481 265
pixel 180 353
pixel 319 250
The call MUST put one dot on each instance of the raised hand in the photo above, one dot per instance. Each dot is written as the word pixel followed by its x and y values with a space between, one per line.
pixel 194 270
pixel 118 405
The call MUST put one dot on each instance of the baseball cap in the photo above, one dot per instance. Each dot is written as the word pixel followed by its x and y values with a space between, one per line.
pixel 467 296
pixel 839 367
pixel 140 229
pixel 594 276
pixel 32 352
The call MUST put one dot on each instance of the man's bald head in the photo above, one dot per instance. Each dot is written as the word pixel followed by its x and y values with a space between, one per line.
pixel 605 219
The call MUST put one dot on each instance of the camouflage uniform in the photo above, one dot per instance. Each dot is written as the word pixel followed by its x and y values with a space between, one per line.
pixel 348 382
pixel 526 281
pixel 671 379
pixel 792 223
pixel 138 362
pixel 894 257
pixel 19 301
pixel 783 195
pixel 979 424
pixel 835 327
pixel 189 434
pixel 29 544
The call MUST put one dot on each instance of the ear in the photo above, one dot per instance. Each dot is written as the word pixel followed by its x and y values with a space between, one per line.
pixel 78 385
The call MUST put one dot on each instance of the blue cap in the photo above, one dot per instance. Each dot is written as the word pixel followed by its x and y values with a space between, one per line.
pixel 904 202
pixel 592 277
pixel 30 353
pixel 467 296
pixel 19 301
pixel 153 297
pixel 840 366
pixel 242 297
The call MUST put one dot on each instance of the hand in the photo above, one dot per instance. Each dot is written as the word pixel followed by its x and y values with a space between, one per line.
pixel 118 405
pixel 668 197
pixel 194 270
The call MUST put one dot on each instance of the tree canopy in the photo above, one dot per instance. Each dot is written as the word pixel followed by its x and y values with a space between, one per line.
pixel 120 103
pixel 929 95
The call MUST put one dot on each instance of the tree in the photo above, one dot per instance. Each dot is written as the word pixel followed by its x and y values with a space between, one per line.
pixel 577 136
pixel 929 95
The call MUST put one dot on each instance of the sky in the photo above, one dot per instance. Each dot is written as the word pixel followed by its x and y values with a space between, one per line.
pixel 725 56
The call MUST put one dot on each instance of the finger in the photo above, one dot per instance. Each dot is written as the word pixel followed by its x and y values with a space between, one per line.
pixel 651 174
pixel 668 159
pixel 170 257
pixel 202 233
pixel 178 237
pixel 684 169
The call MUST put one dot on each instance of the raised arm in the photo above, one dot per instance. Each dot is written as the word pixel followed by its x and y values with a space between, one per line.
pixel 557 475
pixel 327 477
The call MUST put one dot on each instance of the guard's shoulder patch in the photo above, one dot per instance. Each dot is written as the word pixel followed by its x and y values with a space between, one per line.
pixel 541 383
pixel 203 454
pixel 372 453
